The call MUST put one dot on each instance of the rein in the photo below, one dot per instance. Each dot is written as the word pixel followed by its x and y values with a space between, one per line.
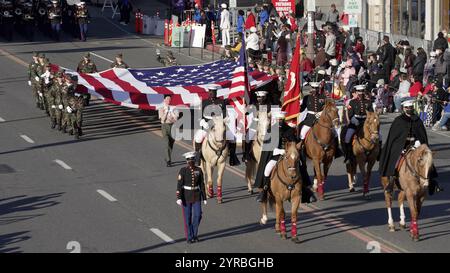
pixel 417 176
pixel 218 151
pixel 325 146
pixel 294 180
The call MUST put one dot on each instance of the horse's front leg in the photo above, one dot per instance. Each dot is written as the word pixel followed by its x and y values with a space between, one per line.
pixel 277 216
pixel 264 218
pixel 209 183
pixel 388 200
pixel 350 176
pixel 296 201
pixel 362 169
pixel 282 218
pixel 220 171
pixel 401 200
pixel 370 164
pixel 319 177
pixel 412 202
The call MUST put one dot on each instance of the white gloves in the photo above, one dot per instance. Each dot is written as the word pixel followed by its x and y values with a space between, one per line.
pixel 204 124
pixel 77 95
pixel 318 115
pixel 60 107
pixel 29 83
pixel 417 144
pixel 68 109
pixel 355 121
pixel 179 202
pixel 40 94
pixel 53 106
pixel 204 202
pixel 37 78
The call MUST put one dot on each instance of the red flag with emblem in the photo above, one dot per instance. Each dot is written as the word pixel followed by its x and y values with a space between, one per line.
pixel 293 93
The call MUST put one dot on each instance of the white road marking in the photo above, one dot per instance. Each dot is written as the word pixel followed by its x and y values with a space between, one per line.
pixel 162 235
pixel 2 120
pixel 62 164
pixel 27 139
pixel 107 195
pixel 101 57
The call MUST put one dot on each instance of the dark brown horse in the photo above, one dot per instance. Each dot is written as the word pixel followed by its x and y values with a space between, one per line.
pixel 286 185
pixel 413 182
pixel 365 148
pixel 320 146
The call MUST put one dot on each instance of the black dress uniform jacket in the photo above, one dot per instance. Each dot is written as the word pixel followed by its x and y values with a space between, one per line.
pixel 357 107
pixel 191 177
pixel 314 103
pixel 219 103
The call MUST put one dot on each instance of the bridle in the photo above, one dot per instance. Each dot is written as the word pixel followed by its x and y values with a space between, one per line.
pixel 293 180
pixel 422 180
pixel 217 150
pixel 325 146
pixel 367 151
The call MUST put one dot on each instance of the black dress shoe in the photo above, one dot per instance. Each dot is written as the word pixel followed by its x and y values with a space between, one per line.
pixel 195 240
pixel 169 163
pixel 189 241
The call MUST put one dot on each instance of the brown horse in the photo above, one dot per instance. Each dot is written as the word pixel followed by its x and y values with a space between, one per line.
pixel 320 145
pixel 365 148
pixel 413 180
pixel 286 185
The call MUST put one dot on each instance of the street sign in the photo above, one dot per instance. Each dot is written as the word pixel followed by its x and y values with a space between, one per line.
pixel 284 6
pixel 311 5
pixel 353 6
pixel 310 23
pixel 353 20
pixel 233 3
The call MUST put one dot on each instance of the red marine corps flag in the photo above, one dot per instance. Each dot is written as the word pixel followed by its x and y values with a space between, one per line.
pixel 292 94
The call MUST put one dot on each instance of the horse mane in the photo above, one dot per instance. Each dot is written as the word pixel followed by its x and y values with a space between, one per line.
pixel 329 103
pixel 424 153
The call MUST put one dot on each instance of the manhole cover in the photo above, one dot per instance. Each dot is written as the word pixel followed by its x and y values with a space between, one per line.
pixel 6 169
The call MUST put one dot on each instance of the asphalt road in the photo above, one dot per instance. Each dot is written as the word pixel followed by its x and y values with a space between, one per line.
pixel 111 192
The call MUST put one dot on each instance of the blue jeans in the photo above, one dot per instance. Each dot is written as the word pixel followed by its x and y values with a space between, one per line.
pixel 56 28
pixel 192 216
pixel 83 31
pixel 444 120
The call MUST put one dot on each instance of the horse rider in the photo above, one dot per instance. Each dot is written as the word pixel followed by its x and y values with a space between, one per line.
pixel 86 66
pixel 262 104
pixel 357 109
pixel 406 131
pixel 190 193
pixel 314 103
pixel 211 107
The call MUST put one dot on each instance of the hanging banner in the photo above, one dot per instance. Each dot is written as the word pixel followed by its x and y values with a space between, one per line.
pixel 284 6
pixel 352 20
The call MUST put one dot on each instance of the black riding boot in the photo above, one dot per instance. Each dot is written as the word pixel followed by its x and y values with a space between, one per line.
pixel 53 124
pixel 262 196
pixel 348 151
pixel 234 161
pixel 390 187
pixel 433 187
pixel 198 156
pixel 80 131
pixel 338 152
pixel 247 151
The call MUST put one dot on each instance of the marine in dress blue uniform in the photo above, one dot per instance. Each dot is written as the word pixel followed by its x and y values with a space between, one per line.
pixel 190 194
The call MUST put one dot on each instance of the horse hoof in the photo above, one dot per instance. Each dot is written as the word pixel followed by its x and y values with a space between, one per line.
pixel 278 232
pixel 391 228
pixel 250 192
pixel 283 236
pixel 295 240
pixel 367 197
pixel 403 226
pixel 352 190
pixel 219 201
pixel 415 238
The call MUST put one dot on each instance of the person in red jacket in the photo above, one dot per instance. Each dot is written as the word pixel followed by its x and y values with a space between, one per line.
pixel 306 66
pixel 360 47
pixel 416 88
pixel 251 20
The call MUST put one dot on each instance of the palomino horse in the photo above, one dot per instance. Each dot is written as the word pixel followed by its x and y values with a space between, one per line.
pixel 320 146
pixel 286 185
pixel 365 148
pixel 215 153
pixel 251 166
pixel 413 178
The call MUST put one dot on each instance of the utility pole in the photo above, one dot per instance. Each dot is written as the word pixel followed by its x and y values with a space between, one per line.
pixel 311 24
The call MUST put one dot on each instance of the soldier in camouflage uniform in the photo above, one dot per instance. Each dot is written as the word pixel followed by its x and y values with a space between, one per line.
pixel 119 62
pixel 39 84
pixel 76 105
pixel 67 91
pixel 33 77
pixel 47 80
pixel 57 95
pixel 86 66
pixel 52 95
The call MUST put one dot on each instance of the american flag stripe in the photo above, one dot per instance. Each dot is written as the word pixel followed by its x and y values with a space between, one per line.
pixel 145 88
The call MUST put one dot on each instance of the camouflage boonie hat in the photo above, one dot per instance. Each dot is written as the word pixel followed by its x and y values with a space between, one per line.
pixel 87 55
pixel 42 56
pixel 35 54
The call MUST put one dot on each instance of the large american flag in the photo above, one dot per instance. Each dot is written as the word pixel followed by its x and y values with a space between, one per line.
pixel 145 88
